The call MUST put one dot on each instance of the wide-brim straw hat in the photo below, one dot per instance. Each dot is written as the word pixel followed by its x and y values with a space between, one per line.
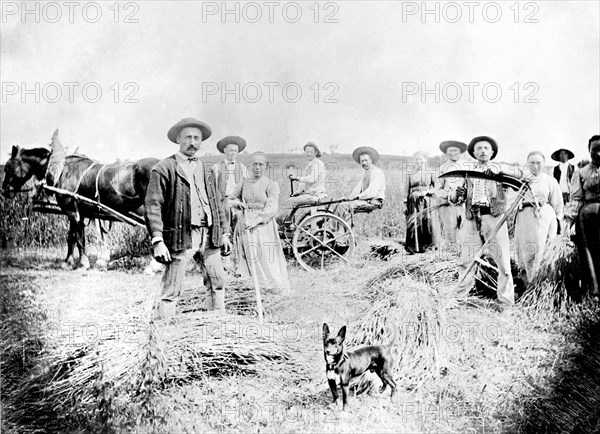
pixel 478 139
pixel 365 150
pixel 185 123
pixel 231 140
pixel 556 154
pixel 452 144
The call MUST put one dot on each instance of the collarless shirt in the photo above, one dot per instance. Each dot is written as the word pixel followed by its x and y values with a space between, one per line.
pixel 194 170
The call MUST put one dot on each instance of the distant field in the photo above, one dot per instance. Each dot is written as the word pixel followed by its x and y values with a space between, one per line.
pixel 19 227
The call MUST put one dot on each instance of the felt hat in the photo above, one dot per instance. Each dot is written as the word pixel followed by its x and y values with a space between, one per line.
pixel 478 139
pixel 231 140
pixel 556 154
pixel 365 150
pixel 188 122
pixel 452 144
pixel 313 145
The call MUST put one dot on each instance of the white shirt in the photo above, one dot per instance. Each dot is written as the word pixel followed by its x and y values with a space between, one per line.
pixel 231 181
pixel 314 177
pixel 371 185
pixel 544 190
pixel 564 182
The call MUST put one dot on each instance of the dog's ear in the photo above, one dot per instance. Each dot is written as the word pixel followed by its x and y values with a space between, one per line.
pixel 342 333
pixel 325 331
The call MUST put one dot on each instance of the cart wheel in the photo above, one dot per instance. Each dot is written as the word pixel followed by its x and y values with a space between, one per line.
pixel 323 241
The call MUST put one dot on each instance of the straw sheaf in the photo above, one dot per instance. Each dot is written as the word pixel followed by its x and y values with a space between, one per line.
pixel 556 281
pixel 75 379
pixel 411 299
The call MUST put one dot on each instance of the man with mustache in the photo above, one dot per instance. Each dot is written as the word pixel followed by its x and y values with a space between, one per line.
pixel 369 193
pixel 185 217
pixel 485 203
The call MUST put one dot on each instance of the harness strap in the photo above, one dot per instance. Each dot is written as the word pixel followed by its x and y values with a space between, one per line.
pixel 97 196
pixel 83 176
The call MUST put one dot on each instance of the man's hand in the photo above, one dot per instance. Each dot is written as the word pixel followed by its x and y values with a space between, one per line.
pixel 226 246
pixel 461 193
pixel 491 171
pixel 293 178
pixel 161 253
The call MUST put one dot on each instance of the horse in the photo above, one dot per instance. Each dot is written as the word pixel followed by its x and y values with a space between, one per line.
pixel 119 186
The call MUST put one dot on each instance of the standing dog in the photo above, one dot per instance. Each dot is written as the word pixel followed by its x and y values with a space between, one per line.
pixel 343 366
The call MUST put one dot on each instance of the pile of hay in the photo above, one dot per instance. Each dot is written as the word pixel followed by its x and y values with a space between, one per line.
pixel 411 300
pixel 439 271
pixel 86 381
pixel 556 283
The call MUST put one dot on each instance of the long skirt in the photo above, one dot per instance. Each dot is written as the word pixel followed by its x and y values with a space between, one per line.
pixel 419 229
pixel 532 230
pixel 261 247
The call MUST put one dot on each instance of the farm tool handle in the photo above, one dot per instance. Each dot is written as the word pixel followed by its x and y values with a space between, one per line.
pixel 291 186
pixel 516 202
pixel 250 260
pixel 104 208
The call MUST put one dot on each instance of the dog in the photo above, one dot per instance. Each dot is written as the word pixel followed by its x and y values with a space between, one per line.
pixel 344 365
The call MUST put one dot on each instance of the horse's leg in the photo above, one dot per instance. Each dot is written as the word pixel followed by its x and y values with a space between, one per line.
pixel 104 253
pixel 71 240
pixel 83 259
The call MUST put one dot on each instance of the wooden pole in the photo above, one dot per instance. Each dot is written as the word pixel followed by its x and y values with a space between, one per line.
pixel 516 202
pixel 91 202
pixel 252 266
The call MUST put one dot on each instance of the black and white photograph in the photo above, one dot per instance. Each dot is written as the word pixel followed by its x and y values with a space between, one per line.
pixel 356 216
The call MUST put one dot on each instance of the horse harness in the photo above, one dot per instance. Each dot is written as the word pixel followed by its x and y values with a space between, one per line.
pixel 85 172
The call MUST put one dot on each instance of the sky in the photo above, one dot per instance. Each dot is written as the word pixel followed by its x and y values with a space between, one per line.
pixel 365 73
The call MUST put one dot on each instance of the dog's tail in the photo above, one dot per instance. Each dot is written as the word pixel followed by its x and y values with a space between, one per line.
pixel 394 338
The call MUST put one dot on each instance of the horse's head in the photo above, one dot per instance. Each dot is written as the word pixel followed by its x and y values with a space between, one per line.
pixel 22 165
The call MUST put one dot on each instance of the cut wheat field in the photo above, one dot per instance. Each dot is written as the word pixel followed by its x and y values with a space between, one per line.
pixel 80 353
pixel 458 368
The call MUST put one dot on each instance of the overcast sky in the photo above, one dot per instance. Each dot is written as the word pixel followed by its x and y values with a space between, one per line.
pixel 370 64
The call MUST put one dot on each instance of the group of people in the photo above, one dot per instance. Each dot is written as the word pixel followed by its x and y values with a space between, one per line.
pixel 192 210
pixel 472 211
pixel 211 212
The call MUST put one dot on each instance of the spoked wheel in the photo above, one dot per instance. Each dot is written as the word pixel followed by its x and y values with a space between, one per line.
pixel 323 242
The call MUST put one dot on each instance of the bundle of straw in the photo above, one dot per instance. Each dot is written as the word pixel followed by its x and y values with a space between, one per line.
pixel 438 272
pixel 556 281
pixel 413 308
pixel 197 346
pixel 192 347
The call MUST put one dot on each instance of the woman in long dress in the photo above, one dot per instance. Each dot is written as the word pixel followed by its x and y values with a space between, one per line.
pixel 256 236
pixel 419 189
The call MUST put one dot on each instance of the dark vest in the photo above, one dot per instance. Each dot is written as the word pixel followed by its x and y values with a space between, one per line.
pixel 497 203
pixel 570 171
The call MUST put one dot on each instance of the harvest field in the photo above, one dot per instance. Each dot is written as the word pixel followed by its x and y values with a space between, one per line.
pixel 80 354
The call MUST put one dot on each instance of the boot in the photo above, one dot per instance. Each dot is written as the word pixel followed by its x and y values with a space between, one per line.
pixel 219 300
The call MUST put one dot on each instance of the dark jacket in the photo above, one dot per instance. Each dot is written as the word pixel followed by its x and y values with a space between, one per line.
pixel 168 206
pixel 570 171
